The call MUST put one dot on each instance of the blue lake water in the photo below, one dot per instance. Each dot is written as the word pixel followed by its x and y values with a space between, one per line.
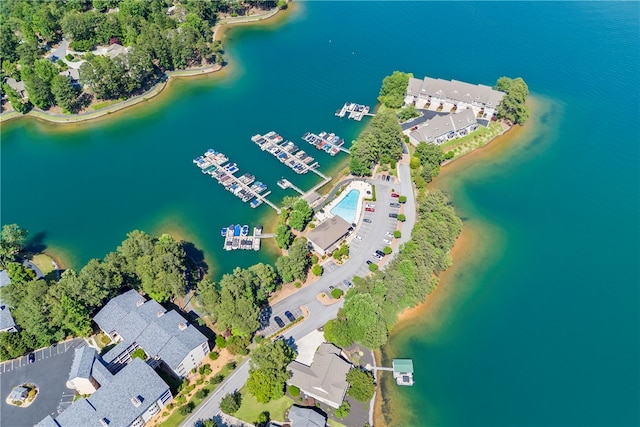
pixel 348 206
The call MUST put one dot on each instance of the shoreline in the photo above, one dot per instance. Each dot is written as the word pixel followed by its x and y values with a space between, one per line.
pixel 157 89
pixel 437 299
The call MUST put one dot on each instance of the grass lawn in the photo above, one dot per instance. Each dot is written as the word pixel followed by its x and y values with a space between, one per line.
pixel 334 423
pixel 44 263
pixel 476 139
pixel 251 408
pixel 104 104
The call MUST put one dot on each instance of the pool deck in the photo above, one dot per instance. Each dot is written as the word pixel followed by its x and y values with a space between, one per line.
pixel 361 186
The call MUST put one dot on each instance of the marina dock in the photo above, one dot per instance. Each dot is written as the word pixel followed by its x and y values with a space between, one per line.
pixel 329 142
pixel 245 187
pixel 285 183
pixel 355 111
pixel 287 152
pixel 237 237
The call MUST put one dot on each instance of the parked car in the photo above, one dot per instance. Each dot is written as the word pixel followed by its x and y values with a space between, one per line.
pixel 369 262
pixel 369 209
pixel 358 237
pixel 389 234
pixel 279 321
pixel 331 287
pixel 347 283
pixel 290 316
pixel 393 215
pixel 370 205
pixel 388 177
pixel 380 253
pixel 394 205
pixel 31 358
pixel 387 241
pixel 395 195
pixel 367 220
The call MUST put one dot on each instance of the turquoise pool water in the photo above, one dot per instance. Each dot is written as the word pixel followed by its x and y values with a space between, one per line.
pixel 347 207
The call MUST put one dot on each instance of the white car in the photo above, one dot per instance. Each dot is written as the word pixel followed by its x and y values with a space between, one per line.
pixel 370 205
pixel 387 241
pixel 389 234
pixel 358 237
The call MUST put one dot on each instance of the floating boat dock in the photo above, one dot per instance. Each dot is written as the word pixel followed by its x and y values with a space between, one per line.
pixel 285 183
pixel 329 142
pixel 356 111
pixel 402 371
pixel 287 152
pixel 237 237
pixel 244 187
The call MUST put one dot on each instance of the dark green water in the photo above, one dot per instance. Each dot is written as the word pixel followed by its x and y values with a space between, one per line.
pixel 538 325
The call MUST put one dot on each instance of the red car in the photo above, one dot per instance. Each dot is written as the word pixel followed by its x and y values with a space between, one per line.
pixel 395 195
pixel 369 209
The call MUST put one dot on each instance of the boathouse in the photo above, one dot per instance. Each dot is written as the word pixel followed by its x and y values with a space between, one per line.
pixel 403 371
pixel 328 234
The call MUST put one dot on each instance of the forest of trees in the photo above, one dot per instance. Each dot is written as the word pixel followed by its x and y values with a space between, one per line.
pixel 394 89
pixel 513 105
pixel 47 312
pixel 380 142
pixel 296 214
pixel 371 307
pixel 158 41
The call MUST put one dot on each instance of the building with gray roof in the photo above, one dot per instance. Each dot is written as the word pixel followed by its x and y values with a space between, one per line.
pixel 7 324
pixel 306 417
pixel 129 399
pixel 326 378
pixel 328 234
pixel 440 129
pixel 166 337
pixel 80 377
pixel 459 93
pixel 18 86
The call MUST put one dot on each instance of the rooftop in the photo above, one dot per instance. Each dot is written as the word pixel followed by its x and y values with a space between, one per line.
pixel 131 392
pixel 328 232
pixel 82 362
pixel 326 377
pixel 455 90
pixel 305 417
pixel 160 333
pixel 441 125
pixel 403 365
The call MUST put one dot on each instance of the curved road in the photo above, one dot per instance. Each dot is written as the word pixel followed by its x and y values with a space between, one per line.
pixel 319 314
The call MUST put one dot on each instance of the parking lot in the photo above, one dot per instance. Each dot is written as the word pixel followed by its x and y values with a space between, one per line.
pixel 49 372
pixel 271 326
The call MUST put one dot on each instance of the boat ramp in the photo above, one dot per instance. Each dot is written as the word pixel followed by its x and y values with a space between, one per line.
pixel 356 111
pixel 245 187
pixel 329 142
pixel 287 152
pixel 237 237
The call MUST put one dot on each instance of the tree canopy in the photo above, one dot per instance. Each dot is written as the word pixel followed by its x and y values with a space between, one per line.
pixel 381 142
pixel 513 105
pixel 394 88
pixel 12 239
pixel 268 373
pixel 361 386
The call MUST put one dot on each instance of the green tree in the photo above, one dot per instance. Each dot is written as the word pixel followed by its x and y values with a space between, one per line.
pixel 8 43
pixel 408 112
pixel 39 92
pixel 231 403
pixel 46 70
pixel 284 237
pixel 317 270
pixel 337 331
pixel 300 215
pixel 65 93
pixel 513 105
pixel 12 238
pixel 268 373
pixel 15 100
pixel 402 217
pixel 361 384
pixel 394 88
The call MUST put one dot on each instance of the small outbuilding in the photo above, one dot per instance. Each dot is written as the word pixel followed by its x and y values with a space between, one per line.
pixel 328 234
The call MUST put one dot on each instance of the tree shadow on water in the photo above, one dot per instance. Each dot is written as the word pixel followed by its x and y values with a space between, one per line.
pixel 35 243
pixel 197 258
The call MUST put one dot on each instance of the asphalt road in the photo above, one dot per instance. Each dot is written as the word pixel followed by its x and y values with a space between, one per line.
pixel 49 372
pixel 360 251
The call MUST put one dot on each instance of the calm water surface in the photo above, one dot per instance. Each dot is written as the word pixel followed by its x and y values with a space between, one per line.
pixel 538 325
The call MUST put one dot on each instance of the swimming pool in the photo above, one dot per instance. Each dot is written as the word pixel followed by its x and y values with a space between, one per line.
pixel 347 207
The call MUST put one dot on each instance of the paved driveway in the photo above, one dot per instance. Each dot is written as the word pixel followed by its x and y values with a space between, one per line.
pixel 49 372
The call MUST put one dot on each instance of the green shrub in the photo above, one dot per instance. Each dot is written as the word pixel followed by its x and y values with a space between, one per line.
pixel 294 390
pixel 314 259
pixel 336 293
pixel 186 409
pixel 68 57
pixel 343 410
pixel 199 381
pixel 317 270
pixel 402 199
pixel 387 250
pixel 297 285
pixel 216 379
pixel 402 217
pixel 214 355
pixel 397 234
pixel 373 267
pixel 221 342
pixel 201 394
pixel 231 403
pixel 231 366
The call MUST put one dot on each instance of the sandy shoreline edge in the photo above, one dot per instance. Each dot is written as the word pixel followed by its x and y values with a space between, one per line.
pixel 218 33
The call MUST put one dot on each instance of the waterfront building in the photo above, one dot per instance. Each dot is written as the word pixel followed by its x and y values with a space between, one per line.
pixel 166 337
pixel 440 129
pixel 328 234
pixel 325 379
pixel 7 324
pixel 306 417
pixel 130 398
pixel 462 95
